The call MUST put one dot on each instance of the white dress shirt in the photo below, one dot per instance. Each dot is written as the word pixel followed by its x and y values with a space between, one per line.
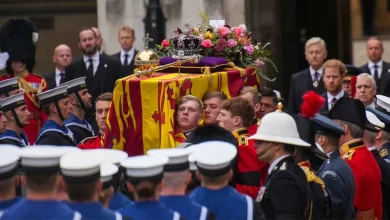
pixel 129 58
pixel 312 73
pixel 372 105
pixel 58 76
pixel 273 164
pixel 330 98
pixel 379 68
pixel 95 60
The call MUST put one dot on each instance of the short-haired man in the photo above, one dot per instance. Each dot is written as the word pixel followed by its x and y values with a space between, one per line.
pixel 366 89
pixel 55 103
pixel 126 38
pixel 62 58
pixel 212 106
pixel 17 114
pixel 102 106
pixel 268 101
pixel 367 175
pixel 333 76
pixel 9 179
pixel 308 79
pixel 188 114
pixel 253 96
pixel 376 67
pixel 236 116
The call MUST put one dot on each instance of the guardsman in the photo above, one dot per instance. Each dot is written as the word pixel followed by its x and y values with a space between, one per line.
pixel 176 178
pixel 366 172
pixel 382 142
pixel 81 102
pixel 56 105
pixel 118 200
pixel 335 172
pixel 144 175
pixel 370 136
pixel 81 173
pixel 235 116
pixel 9 157
pixel 17 115
pixel 213 160
pixel 42 179
pixel 286 193
pixel 9 87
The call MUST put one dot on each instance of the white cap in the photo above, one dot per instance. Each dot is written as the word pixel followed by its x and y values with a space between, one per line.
pixel 107 171
pixel 8 163
pixel 191 159
pixel 145 167
pixel 64 149
pixel 9 84
pixel 215 158
pixel 40 159
pixel 178 158
pixel 52 95
pixel 279 127
pixel 12 102
pixel 81 167
pixel 378 124
pixel 109 155
pixel 277 93
pixel 75 85
pixel 383 101
pixel 10 148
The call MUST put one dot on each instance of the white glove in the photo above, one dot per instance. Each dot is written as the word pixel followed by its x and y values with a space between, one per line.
pixel 3 60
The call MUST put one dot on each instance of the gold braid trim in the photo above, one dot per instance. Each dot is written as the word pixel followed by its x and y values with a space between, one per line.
pixel 30 91
pixel 311 177
pixel 234 67
pixel 206 71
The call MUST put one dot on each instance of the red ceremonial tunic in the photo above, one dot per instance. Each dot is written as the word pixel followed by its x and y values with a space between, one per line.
pixel 91 143
pixel 367 175
pixel 31 85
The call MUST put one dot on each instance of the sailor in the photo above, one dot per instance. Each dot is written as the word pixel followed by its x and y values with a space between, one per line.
pixel 9 87
pixel 17 115
pixel 144 175
pixel 176 178
pixel 335 172
pixel 82 175
pixel 118 200
pixel 214 163
pixel 42 179
pixel 9 156
pixel 80 99
pixel 56 105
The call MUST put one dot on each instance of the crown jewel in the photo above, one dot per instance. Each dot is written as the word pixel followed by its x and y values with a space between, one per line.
pixel 185 44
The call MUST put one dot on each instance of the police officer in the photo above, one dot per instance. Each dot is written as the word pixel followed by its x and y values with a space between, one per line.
pixel 17 115
pixel 55 103
pixel 213 160
pixel 81 173
pixel 41 168
pixel 144 175
pixel 81 102
pixel 8 176
pixel 335 172
pixel 176 178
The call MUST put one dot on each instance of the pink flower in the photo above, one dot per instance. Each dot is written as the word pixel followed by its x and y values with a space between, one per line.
pixel 237 31
pixel 232 43
pixel 165 43
pixel 207 43
pixel 201 36
pixel 221 45
pixel 259 63
pixel 243 27
pixel 223 31
pixel 249 48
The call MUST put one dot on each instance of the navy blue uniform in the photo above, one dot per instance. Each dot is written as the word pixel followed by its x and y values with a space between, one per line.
pixel 47 209
pixel 227 203
pixel 339 180
pixel 384 152
pixel 385 182
pixel 80 129
pixel 8 203
pixel 187 208
pixel 54 134
pixel 94 210
pixel 118 201
pixel 12 138
pixel 148 210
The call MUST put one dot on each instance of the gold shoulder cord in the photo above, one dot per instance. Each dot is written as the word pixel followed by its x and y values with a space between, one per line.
pixel 30 91
pixel 311 177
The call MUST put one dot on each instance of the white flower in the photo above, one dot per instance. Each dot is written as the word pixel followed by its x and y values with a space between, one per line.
pixel 243 27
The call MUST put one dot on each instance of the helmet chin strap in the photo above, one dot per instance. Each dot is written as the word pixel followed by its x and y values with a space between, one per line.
pixel 16 118
pixel 80 101
pixel 59 111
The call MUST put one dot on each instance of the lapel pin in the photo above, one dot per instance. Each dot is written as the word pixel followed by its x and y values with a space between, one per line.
pixel 105 65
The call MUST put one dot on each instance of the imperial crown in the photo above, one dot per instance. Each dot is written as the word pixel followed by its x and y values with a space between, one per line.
pixel 185 44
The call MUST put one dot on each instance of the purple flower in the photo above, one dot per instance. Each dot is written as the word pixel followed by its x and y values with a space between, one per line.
pixel 259 63
pixel 232 43
pixel 221 45
pixel 249 48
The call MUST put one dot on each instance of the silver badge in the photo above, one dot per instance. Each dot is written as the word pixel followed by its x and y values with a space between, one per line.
pixel 260 194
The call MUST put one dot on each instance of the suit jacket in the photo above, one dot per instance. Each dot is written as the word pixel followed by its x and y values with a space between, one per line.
pixel 126 70
pixel 301 82
pixel 108 71
pixel 384 87
pixel 325 108
pixel 51 80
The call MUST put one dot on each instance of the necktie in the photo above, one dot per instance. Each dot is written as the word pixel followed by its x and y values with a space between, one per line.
pixel 126 61
pixel 315 80
pixel 62 79
pixel 90 68
pixel 334 100
pixel 376 75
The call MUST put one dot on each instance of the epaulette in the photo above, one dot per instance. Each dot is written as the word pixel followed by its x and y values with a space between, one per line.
pixel 349 154
pixel 311 177
pixel 383 152
pixel 87 139
pixel 243 140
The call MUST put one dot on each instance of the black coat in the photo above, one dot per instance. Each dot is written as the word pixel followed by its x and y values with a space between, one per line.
pixel 126 70
pixel 11 142
pixel 286 194
pixel 301 82
pixel 79 132
pixel 384 87
pixel 325 108
pixel 55 138
pixel 51 80
pixel 385 182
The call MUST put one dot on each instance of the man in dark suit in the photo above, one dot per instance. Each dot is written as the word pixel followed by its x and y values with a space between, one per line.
pixel 333 76
pixel 126 38
pixel 376 67
pixel 308 79
pixel 101 70
pixel 62 58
